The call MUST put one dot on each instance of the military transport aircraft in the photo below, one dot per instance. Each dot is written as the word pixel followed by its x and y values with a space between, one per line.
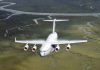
pixel 51 44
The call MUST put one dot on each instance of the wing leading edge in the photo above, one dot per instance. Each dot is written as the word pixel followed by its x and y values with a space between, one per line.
pixel 67 41
pixel 30 41
pixel 54 42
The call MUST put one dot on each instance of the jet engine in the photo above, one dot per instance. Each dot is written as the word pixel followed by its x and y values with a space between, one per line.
pixel 68 47
pixel 57 48
pixel 34 48
pixel 26 47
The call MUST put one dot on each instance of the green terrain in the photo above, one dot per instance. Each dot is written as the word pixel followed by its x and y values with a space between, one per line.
pixel 81 56
pixel 58 6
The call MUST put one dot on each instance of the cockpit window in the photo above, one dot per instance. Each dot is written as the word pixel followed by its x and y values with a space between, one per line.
pixel 42 51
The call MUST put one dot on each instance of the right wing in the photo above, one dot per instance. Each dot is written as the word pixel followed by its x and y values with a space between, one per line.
pixel 67 41
pixel 30 41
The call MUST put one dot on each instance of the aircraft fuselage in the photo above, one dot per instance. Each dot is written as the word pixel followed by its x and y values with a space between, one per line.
pixel 46 47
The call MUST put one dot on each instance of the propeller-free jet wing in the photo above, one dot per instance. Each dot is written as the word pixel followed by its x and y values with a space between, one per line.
pixel 51 44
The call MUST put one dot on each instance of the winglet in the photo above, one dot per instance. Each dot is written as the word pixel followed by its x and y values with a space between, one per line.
pixel 15 39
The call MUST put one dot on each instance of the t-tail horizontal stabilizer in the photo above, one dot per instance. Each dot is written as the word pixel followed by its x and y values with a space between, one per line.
pixel 55 21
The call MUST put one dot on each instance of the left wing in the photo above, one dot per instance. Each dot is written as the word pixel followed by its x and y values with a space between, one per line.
pixel 67 41
pixel 30 41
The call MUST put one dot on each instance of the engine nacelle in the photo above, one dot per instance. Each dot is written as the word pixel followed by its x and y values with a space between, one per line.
pixel 26 47
pixel 68 47
pixel 34 48
pixel 57 48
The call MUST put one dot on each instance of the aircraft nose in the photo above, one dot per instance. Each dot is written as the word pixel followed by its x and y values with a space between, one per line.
pixel 42 54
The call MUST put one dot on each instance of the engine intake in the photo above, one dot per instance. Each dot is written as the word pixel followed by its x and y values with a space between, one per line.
pixel 26 47
pixel 57 48
pixel 34 48
pixel 68 47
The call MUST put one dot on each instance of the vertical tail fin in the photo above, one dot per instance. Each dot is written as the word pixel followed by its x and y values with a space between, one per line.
pixel 54 25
